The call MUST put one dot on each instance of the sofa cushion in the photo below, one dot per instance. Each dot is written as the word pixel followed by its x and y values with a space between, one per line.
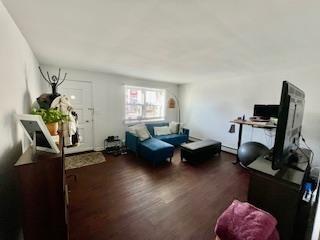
pixel 132 128
pixel 174 127
pixel 155 144
pixel 143 133
pixel 174 139
pixel 159 131
pixel 150 126
pixel 155 150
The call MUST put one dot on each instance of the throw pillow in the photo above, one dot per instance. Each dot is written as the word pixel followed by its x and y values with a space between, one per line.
pixel 132 129
pixel 181 126
pixel 174 127
pixel 142 133
pixel 165 130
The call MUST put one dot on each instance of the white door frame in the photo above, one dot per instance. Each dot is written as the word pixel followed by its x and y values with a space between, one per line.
pixel 71 149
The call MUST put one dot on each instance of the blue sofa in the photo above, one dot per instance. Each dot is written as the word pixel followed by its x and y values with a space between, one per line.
pixel 157 148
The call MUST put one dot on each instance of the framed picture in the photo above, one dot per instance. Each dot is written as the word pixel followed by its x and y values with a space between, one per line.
pixel 34 126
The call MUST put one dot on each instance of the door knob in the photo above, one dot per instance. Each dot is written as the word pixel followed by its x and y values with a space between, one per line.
pixel 87 121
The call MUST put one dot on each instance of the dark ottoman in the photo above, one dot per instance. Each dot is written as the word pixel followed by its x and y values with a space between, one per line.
pixel 200 150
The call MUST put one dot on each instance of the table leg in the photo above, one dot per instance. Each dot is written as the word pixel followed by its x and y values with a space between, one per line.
pixel 239 142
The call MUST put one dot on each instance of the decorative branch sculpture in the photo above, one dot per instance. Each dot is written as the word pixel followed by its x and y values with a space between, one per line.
pixel 54 81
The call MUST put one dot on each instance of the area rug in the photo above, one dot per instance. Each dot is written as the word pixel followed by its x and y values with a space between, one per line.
pixel 82 160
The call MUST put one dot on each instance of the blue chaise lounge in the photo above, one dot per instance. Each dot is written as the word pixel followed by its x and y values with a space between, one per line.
pixel 157 148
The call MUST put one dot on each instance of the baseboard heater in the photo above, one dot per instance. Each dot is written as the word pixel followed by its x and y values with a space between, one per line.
pixel 224 147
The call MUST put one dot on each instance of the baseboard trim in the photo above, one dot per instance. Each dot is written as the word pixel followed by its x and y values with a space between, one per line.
pixel 98 149
pixel 229 150
pixel 223 147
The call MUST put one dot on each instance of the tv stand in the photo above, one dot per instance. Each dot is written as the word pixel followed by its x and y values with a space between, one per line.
pixel 280 192
pixel 298 161
pixel 295 167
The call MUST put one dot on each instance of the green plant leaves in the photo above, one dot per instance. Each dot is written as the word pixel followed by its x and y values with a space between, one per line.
pixel 50 115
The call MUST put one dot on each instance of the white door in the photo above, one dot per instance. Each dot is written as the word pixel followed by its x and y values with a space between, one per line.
pixel 80 95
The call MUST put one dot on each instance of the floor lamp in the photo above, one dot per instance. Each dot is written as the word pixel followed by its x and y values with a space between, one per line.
pixel 172 102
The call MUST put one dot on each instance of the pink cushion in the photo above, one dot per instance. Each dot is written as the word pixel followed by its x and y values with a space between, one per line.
pixel 242 221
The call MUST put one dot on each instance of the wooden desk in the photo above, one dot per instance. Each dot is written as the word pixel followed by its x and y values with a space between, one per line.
pixel 264 125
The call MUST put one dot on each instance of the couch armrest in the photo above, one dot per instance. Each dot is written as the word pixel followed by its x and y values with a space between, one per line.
pixel 185 131
pixel 132 141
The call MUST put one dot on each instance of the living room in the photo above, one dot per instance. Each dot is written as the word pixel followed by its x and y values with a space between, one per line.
pixel 198 67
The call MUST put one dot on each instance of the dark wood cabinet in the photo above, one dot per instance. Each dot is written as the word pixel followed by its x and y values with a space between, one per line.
pixel 279 192
pixel 44 195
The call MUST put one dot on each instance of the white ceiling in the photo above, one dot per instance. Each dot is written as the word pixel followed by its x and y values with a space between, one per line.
pixel 172 40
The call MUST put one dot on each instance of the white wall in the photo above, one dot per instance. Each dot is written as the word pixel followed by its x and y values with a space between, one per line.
pixel 20 85
pixel 108 100
pixel 207 107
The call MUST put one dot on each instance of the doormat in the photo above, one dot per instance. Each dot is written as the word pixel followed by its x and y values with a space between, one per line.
pixel 84 159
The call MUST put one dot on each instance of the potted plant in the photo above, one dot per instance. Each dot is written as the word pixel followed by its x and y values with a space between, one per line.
pixel 51 118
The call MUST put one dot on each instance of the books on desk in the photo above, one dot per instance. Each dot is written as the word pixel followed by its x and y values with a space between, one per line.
pixel 255 124
pixel 260 123
pixel 253 119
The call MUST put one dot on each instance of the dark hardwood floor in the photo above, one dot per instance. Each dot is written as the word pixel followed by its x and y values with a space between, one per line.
pixel 127 198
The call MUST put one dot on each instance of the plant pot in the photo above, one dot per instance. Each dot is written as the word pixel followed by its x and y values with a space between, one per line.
pixel 53 128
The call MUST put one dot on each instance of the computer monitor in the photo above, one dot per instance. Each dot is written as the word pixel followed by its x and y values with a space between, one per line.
pixel 265 111
pixel 289 125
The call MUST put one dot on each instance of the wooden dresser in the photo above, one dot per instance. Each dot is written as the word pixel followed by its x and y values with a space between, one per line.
pixel 44 195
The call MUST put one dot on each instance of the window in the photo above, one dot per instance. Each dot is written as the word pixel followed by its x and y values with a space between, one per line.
pixel 144 104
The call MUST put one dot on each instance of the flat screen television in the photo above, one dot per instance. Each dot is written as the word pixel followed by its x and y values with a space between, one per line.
pixel 289 125
pixel 265 111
